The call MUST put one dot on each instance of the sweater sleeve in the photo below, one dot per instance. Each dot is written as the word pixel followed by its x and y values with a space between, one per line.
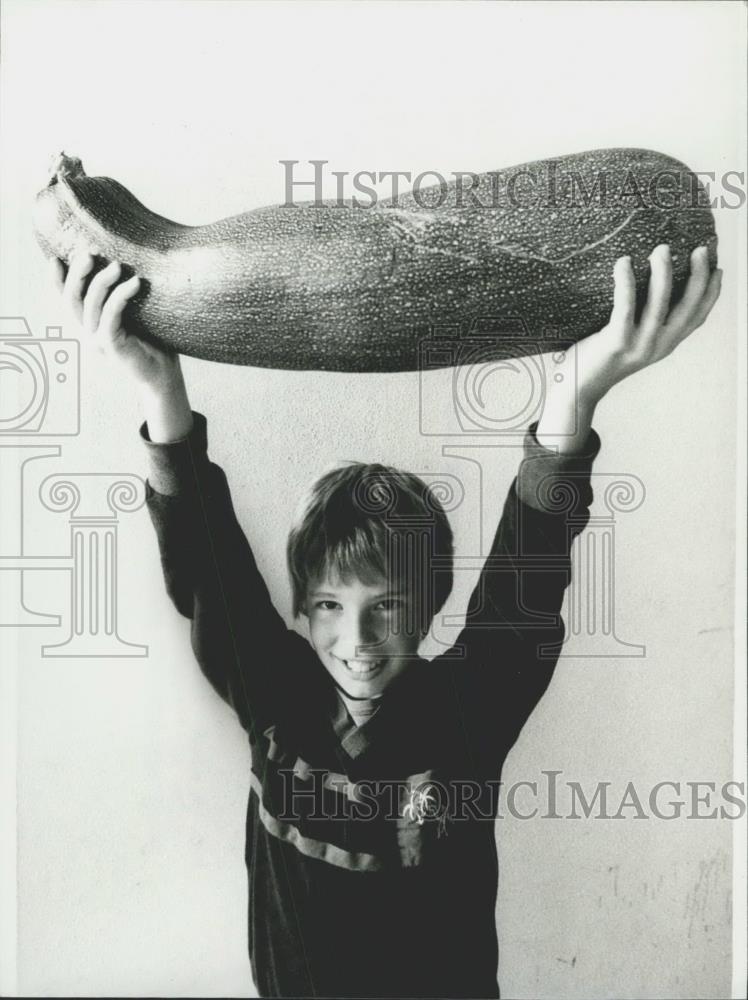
pixel 240 641
pixel 505 655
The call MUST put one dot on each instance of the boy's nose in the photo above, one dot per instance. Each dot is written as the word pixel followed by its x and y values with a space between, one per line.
pixel 357 637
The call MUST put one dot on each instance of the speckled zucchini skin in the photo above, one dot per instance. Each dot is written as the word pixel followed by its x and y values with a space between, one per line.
pixel 394 287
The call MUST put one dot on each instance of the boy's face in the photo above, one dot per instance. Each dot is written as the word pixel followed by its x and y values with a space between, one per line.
pixel 359 631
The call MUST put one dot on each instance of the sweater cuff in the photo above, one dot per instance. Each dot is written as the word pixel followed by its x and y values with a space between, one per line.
pixel 173 467
pixel 548 480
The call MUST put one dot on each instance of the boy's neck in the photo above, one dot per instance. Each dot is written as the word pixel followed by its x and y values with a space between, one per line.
pixel 360 709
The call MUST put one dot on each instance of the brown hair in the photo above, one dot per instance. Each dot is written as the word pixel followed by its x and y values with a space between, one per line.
pixel 368 521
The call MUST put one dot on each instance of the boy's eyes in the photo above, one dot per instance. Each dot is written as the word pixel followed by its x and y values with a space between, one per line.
pixel 388 604
pixel 391 604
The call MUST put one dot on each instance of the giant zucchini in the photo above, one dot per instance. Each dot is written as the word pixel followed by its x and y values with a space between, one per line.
pixel 423 279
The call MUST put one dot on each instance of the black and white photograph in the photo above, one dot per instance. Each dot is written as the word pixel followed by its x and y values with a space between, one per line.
pixel 373 498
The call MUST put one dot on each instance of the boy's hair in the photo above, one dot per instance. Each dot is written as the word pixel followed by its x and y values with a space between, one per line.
pixel 371 520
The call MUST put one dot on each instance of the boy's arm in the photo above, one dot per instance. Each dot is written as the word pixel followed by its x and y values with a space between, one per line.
pixel 504 657
pixel 240 641
pixel 527 572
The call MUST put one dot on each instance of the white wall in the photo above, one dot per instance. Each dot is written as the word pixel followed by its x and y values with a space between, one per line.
pixel 132 776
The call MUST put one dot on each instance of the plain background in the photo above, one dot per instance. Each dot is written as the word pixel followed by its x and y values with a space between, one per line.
pixel 130 776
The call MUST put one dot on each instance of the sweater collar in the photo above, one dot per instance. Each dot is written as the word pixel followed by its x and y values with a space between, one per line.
pixel 391 714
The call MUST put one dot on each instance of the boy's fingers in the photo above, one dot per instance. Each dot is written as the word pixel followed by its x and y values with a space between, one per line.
pixel 111 314
pixel 660 287
pixel 694 290
pixel 97 292
pixel 707 302
pixel 624 295
pixel 78 271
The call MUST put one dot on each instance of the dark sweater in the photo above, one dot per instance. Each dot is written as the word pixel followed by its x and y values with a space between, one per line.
pixel 370 849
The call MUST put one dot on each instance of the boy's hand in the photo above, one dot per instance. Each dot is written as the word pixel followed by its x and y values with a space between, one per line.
pixel 624 346
pixel 97 310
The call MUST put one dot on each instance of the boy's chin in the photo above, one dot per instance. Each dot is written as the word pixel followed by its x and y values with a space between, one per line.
pixel 361 688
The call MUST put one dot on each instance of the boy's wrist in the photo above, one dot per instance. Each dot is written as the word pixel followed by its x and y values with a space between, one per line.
pixel 174 465
pixel 167 410
pixel 167 381
pixel 566 419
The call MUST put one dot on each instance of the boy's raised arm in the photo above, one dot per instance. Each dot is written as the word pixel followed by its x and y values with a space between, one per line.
pixel 505 655
pixel 240 641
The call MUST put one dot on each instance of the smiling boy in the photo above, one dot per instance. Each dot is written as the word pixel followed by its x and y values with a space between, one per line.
pixel 343 629
pixel 354 892
pixel 352 563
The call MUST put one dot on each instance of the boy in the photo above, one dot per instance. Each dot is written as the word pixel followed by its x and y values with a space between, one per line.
pixel 370 838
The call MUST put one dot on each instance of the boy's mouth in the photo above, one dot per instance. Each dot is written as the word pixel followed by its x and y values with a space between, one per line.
pixel 363 669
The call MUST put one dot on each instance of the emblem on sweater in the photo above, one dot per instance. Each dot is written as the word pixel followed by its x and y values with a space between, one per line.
pixel 423 803
pixel 420 804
